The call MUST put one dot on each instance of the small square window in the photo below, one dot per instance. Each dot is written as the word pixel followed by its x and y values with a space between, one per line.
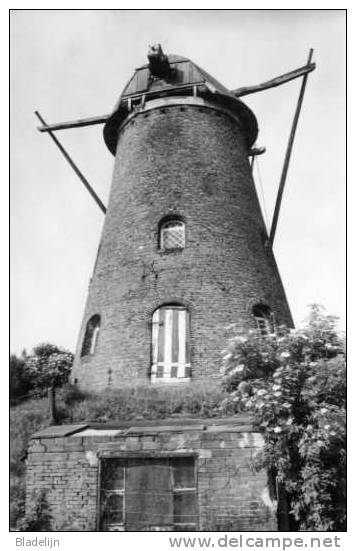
pixel 113 475
pixel 172 235
pixel 114 508
pixel 184 507
pixel 183 473
pixel 159 371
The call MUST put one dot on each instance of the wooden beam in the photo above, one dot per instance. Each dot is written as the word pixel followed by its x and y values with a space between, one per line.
pixel 89 121
pixel 101 119
pixel 288 156
pixel 287 77
pixel 74 166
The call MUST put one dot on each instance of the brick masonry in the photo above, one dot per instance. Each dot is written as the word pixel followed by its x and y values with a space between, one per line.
pixel 232 495
pixel 189 161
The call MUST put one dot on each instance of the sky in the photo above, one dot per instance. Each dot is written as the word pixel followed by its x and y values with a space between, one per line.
pixel 71 64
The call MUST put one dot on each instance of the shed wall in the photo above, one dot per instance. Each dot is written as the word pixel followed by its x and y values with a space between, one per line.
pixel 232 495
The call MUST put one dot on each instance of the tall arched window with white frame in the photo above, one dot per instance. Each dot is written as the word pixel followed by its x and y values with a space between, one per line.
pixel 170 344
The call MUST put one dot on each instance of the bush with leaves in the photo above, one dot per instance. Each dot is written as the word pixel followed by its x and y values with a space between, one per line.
pixel 294 382
pixel 38 517
pixel 49 365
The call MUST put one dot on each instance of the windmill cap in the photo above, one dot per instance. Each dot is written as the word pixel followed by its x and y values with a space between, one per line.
pixel 174 76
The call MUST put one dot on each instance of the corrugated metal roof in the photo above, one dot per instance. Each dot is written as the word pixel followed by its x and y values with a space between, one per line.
pixel 58 431
pixel 237 423
pixel 98 432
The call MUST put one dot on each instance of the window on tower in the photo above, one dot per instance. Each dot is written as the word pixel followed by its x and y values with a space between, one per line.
pixel 172 234
pixel 91 336
pixel 170 344
pixel 264 318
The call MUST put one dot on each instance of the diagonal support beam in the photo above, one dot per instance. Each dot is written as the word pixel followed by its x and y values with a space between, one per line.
pixel 288 156
pixel 282 79
pixel 74 166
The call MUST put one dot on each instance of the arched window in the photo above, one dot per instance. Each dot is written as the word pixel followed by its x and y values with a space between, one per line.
pixel 264 319
pixel 170 344
pixel 91 335
pixel 172 234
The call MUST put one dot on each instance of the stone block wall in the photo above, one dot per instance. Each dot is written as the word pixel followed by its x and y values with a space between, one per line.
pixel 231 494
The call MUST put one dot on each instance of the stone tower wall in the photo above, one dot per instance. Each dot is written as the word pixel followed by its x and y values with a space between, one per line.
pixel 190 161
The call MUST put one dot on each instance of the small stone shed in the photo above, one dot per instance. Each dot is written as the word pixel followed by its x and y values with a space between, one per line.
pixel 166 475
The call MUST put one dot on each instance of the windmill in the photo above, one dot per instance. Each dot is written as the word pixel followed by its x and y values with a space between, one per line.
pixel 156 56
pixel 183 231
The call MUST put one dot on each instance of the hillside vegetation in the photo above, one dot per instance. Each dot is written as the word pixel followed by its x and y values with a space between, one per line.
pixel 127 403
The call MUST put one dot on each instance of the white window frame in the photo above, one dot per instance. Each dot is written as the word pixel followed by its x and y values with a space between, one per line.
pixel 91 348
pixel 189 490
pixel 265 323
pixel 120 526
pixel 94 339
pixel 183 365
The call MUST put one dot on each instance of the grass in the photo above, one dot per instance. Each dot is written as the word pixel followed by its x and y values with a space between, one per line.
pixel 149 402
pixel 25 419
pixel 136 402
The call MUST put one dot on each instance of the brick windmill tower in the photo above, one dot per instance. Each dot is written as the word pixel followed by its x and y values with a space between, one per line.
pixel 184 250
